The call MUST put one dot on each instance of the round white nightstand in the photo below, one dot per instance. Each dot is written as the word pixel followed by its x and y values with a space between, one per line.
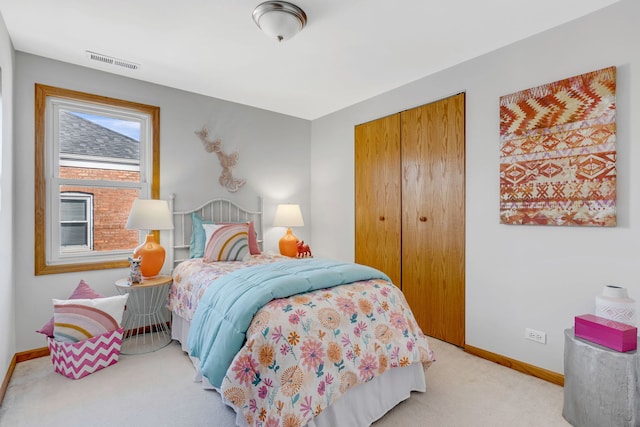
pixel 145 320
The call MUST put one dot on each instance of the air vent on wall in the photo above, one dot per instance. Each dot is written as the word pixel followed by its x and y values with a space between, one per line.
pixel 105 59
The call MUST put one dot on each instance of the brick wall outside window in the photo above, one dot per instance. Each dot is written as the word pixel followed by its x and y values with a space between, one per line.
pixel 110 206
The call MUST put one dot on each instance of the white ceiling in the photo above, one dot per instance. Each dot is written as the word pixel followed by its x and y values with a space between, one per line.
pixel 349 51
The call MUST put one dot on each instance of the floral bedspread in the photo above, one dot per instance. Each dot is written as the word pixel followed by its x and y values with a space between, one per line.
pixel 191 279
pixel 304 352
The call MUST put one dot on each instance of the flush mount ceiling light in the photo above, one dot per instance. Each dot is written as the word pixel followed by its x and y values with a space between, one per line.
pixel 279 19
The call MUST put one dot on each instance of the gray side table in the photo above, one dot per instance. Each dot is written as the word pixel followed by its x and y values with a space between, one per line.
pixel 145 319
pixel 601 386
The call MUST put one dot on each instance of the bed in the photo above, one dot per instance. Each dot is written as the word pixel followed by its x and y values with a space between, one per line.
pixel 297 342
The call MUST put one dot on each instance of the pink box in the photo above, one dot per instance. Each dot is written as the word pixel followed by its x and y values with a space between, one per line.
pixel 79 359
pixel 609 333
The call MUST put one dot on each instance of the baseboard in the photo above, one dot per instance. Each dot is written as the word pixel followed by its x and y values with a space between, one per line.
pixel 36 353
pixel 552 377
pixel 7 378
pixel 23 356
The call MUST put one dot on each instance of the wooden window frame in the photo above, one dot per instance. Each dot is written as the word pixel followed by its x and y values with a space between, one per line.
pixel 41 233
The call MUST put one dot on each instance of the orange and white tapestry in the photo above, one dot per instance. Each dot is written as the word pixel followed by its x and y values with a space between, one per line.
pixel 558 152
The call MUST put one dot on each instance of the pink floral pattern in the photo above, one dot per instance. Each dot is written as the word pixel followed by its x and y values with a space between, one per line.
pixel 316 346
pixel 191 278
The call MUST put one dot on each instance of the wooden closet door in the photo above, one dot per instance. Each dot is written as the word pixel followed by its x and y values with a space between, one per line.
pixel 433 217
pixel 377 195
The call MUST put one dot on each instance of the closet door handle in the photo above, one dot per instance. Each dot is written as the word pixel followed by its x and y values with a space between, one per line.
pixel 381 217
pixel 423 219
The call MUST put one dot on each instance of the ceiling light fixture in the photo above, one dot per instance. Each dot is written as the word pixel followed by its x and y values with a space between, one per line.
pixel 279 19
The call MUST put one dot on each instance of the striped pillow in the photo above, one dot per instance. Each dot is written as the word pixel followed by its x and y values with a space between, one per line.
pixel 80 319
pixel 227 242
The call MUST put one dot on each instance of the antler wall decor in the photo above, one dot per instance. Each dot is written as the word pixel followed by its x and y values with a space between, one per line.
pixel 227 161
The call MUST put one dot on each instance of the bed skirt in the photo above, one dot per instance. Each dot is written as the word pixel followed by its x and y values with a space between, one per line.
pixel 361 406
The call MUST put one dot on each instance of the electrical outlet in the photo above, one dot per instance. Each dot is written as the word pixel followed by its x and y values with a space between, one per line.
pixel 537 336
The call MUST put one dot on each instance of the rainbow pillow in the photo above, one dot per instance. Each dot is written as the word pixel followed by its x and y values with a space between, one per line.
pixel 82 291
pixel 199 237
pixel 228 242
pixel 80 319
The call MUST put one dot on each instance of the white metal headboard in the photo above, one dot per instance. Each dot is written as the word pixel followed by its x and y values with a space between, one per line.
pixel 219 209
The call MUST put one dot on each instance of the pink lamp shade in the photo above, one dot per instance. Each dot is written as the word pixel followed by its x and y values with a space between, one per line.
pixel 288 215
pixel 150 215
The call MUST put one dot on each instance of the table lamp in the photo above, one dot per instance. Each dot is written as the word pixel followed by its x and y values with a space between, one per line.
pixel 150 215
pixel 288 215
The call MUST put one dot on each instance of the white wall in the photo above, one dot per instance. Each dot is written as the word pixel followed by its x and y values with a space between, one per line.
pixel 274 159
pixel 7 308
pixel 516 276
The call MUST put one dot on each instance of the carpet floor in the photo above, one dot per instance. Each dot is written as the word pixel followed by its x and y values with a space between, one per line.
pixel 157 390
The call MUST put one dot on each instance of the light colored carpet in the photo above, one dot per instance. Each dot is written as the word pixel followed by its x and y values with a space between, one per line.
pixel 157 389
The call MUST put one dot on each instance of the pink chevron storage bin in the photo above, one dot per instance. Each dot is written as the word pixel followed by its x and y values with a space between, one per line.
pixel 79 359
pixel 609 333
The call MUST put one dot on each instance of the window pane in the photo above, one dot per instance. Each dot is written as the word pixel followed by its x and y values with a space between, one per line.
pixel 98 147
pixel 74 234
pixel 73 210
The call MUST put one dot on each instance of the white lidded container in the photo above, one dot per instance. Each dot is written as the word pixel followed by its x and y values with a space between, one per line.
pixel 615 304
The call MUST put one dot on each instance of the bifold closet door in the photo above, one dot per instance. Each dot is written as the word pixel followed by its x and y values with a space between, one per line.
pixel 433 281
pixel 377 195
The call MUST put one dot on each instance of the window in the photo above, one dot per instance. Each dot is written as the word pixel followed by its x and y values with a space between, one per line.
pixel 94 157
pixel 76 222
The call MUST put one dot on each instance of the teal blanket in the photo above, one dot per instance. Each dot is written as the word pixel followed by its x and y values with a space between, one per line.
pixel 227 307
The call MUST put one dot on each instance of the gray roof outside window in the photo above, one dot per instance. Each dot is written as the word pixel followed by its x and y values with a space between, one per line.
pixel 80 137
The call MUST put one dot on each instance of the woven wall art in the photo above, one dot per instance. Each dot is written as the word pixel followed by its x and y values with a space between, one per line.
pixel 558 152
